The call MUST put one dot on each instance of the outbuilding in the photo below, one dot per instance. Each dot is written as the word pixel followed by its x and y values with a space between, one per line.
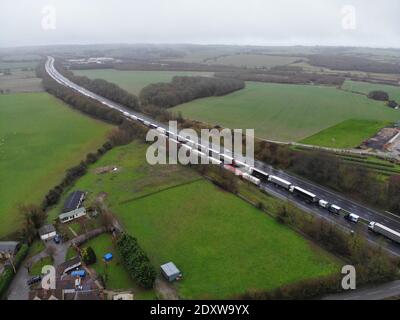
pixel 171 272
pixel 47 232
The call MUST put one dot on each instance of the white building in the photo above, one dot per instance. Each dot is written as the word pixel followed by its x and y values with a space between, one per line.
pixel 47 232
pixel 72 215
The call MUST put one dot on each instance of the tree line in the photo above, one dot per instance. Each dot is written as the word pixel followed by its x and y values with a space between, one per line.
pixel 284 76
pixel 185 89
pixel 102 87
pixel 352 63
pixel 136 261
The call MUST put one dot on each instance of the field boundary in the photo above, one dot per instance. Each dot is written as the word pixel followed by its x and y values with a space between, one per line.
pixel 159 191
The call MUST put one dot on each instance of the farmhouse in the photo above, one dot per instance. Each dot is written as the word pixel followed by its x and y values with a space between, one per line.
pixel 74 201
pixel 74 214
pixel 47 232
pixel 170 272
pixel 8 248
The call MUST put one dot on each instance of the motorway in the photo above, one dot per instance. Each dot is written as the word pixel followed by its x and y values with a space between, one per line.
pixel 380 292
pixel 365 213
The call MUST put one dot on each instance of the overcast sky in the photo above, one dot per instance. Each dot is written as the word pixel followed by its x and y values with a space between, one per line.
pixel 252 22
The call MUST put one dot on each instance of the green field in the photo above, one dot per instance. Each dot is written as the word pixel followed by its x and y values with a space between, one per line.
pixel 223 245
pixel 40 137
pixel 347 134
pixel 254 60
pixel 135 81
pixel 286 112
pixel 21 79
pixel 365 88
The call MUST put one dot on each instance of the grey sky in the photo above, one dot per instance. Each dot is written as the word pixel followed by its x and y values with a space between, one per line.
pixel 253 22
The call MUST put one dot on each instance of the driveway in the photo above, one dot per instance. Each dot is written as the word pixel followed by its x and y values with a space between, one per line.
pixel 18 289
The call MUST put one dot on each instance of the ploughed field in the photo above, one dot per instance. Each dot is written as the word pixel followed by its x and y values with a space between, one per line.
pixel 40 137
pixel 135 81
pixel 287 112
pixel 223 245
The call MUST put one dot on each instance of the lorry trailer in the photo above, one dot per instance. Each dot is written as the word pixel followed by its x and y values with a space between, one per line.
pixel 384 231
pixel 260 174
pixel 306 195
pixel 280 182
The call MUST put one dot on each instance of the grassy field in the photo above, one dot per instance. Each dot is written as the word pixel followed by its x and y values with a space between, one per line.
pixel 134 178
pixel 223 245
pixel 347 134
pixel 365 88
pixel 254 60
pixel 135 81
pixel 40 138
pixel 286 112
pixel 21 79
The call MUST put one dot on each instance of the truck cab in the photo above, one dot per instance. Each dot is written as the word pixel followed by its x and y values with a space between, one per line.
pixel 335 209
pixel 323 204
pixel 352 217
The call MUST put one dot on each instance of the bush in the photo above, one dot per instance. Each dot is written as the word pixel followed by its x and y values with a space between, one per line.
pixel 88 256
pixel 378 95
pixel 136 261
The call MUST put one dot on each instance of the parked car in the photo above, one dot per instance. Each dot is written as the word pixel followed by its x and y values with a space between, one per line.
pixel 34 280
pixel 57 239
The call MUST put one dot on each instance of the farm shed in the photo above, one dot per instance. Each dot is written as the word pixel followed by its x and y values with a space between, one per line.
pixel 170 271
pixel 47 232
pixel 72 215
pixel 74 201
pixel 8 247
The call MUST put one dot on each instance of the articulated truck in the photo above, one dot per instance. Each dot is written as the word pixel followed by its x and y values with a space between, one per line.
pixel 385 231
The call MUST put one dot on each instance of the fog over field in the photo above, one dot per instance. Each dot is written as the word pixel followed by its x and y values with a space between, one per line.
pixel 250 22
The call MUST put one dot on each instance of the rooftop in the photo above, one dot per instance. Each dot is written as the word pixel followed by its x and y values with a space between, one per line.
pixel 170 269
pixel 73 201
pixel 48 228
pixel 8 246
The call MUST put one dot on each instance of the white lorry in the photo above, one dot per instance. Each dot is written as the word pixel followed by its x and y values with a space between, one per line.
pixel 280 182
pixel 384 231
